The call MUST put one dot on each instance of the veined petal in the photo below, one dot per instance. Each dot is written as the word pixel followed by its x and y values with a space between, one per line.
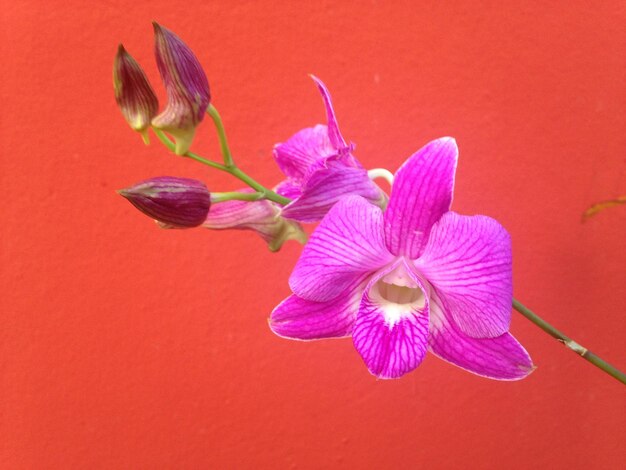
pixel 261 216
pixel 297 318
pixel 501 358
pixel 347 244
pixel 295 156
pixel 468 261
pixel 290 188
pixel 336 140
pixel 186 85
pixel 421 194
pixel 328 185
pixel 391 328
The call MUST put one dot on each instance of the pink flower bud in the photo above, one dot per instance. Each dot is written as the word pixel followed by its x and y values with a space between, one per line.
pixel 186 85
pixel 175 202
pixel 133 93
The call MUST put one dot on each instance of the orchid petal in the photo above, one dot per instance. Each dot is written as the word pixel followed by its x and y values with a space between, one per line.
pixel 347 245
pixel 300 151
pixel 297 318
pixel 421 194
pixel 392 337
pixel 336 140
pixel 328 185
pixel 289 188
pixel 501 358
pixel 468 261
pixel 260 216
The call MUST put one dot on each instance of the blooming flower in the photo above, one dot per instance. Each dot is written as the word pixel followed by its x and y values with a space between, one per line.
pixel 171 201
pixel 133 93
pixel 417 277
pixel 262 216
pixel 321 169
pixel 186 85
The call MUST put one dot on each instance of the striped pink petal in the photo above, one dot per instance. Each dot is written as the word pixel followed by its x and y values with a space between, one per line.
pixel 468 261
pixel 328 185
pixel 336 139
pixel 501 358
pixel 297 318
pixel 391 328
pixel 290 188
pixel 295 156
pixel 421 194
pixel 347 245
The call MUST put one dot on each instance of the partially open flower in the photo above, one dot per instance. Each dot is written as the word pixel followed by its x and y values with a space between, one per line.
pixel 321 169
pixel 175 202
pixel 262 216
pixel 133 93
pixel 186 85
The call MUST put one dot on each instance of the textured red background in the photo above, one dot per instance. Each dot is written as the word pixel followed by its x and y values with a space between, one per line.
pixel 125 346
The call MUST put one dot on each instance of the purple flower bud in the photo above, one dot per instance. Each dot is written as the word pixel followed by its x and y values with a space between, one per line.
pixel 133 93
pixel 176 202
pixel 186 85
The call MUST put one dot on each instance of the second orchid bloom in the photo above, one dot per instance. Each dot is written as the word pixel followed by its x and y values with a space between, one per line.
pixel 321 169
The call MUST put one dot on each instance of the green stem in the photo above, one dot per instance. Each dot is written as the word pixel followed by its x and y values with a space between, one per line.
pixel 229 196
pixel 233 170
pixel 570 343
pixel 170 145
pixel 221 133
pixel 269 194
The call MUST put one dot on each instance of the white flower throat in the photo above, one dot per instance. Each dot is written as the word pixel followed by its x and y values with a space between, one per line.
pixel 398 295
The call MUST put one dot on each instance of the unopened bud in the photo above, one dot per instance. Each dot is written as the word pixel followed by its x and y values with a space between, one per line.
pixel 172 201
pixel 133 93
pixel 186 85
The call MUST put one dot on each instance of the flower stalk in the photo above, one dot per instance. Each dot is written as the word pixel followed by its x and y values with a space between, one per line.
pixel 236 196
pixel 232 169
pixel 569 343
pixel 221 133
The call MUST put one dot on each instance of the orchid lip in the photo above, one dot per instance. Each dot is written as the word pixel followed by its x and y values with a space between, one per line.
pixel 398 294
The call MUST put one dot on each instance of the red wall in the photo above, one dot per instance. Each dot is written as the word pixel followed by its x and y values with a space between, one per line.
pixel 125 346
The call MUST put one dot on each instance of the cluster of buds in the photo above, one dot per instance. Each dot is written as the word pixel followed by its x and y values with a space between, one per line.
pixel 182 203
pixel 188 94
pixel 317 162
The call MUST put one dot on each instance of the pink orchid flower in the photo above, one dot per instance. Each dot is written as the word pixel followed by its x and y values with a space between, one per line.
pixel 416 277
pixel 321 169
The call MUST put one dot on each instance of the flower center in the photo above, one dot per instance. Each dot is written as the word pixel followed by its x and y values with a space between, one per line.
pixel 398 295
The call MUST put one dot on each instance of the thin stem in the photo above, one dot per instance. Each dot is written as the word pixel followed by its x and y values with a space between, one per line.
pixel 230 164
pixel 221 133
pixel 269 194
pixel 233 170
pixel 229 196
pixel 570 343
pixel 165 140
